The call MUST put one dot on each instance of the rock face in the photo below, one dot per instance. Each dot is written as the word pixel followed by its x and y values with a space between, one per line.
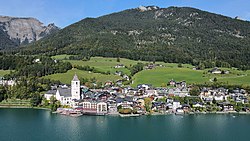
pixel 25 30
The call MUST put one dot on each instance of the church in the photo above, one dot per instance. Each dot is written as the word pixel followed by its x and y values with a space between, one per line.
pixel 66 95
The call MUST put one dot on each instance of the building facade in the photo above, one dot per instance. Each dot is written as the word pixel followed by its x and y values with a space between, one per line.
pixel 75 88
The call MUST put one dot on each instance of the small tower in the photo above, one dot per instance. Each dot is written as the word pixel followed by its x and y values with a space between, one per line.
pixel 75 88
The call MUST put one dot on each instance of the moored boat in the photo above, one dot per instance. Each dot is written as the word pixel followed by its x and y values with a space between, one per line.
pixel 129 115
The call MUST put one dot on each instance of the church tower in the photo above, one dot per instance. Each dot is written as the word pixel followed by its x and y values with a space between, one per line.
pixel 75 88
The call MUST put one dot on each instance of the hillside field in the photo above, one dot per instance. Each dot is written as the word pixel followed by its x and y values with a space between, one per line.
pixel 158 76
pixel 3 72
pixel 104 64
pixel 161 76
pixel 68 76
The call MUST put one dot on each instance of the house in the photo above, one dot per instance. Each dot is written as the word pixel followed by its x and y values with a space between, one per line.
pixel 169 100
pixel 36 60
pixel 49 94
pixel 176 104
pixel 112 109
pixel 181 84
pixel 228 107
pixel 93 107
pixel 179 111
pixel 215 71
pixel 119 66
pixel 126 77
pixel 118 73
pixel 108 83
pixel 150 66
pixel 159 106
pixel 198 105
pixel 219 97
pixel 169 106
pixel 7 82
pixel 150 92
pixel 162 91
pixel 246 109
pixel 119 82
pixel 171 82
pixel 144 86
pixel 124 102
pixel 186 108
pixel 184 92
pixel 141 102
pixel 171 92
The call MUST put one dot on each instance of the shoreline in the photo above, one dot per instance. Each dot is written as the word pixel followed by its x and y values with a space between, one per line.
pixel 152 114
pixel 23 107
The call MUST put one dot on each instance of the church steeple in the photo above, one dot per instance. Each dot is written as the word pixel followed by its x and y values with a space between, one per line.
pixel 75 88
pixel 75 78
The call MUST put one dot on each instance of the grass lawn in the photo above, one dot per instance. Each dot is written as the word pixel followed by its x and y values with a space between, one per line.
pixel 15 102
pixel 105 64
pixel 237 79
pixel 156 76
pixel 159 76
pixel 61 57
pixel 3 72
pixel 68 76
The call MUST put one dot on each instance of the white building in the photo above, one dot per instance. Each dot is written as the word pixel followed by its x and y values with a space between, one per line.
pixel 49 94
pixel 75 88
pixel 176 104
pixel 65 94
pixel 98 108
pixel 7 82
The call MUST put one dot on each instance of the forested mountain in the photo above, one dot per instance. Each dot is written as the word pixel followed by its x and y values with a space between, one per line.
pixel 15 31
pixel 174 34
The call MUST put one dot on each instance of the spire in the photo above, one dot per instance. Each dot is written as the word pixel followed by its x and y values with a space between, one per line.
pixel 75 78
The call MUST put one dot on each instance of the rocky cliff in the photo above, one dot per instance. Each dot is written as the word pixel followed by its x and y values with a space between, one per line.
pixel 25 30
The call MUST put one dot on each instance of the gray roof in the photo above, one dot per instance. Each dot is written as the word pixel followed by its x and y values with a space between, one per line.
pixel 51 92
pixel 75 78
pixel 66 92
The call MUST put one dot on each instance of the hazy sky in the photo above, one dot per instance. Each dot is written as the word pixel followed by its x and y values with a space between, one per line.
pixel 66 12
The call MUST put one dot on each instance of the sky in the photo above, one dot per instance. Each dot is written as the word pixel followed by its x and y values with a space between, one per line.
pixel 66 12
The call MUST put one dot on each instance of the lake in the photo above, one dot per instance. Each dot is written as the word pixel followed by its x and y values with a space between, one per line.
pixel 41 125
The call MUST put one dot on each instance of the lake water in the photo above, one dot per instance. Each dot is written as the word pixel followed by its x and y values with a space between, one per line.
pixel 41 125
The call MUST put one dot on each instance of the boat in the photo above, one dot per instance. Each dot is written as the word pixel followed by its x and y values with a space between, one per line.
pixel 179 111
pixel 129 115
pixel 75 114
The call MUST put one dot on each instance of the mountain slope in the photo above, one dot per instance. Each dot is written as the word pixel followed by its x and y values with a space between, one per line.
pixel 5 42
pixel 23 30
pixel 174 34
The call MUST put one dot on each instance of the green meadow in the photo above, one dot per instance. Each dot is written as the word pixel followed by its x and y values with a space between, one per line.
pixel 4 72
pixel 105 64
pixel 68 76
pixel 61 57
pixel 158 76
